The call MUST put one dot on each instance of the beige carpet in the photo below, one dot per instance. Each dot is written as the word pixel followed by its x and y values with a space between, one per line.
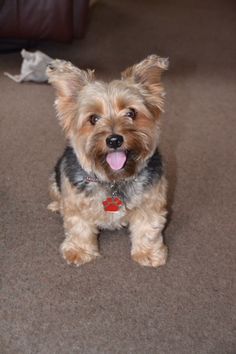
pixel 113 305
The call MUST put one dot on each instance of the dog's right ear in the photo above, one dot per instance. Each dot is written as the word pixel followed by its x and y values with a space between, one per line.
pixel 68 80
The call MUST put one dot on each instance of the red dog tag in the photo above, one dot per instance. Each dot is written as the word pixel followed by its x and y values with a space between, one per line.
pixel 112 205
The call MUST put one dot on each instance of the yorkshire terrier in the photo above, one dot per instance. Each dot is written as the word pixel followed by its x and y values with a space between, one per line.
pixel 111 174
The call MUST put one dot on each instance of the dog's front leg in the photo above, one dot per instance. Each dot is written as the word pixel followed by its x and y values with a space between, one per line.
pixel 148 248
pixel 80 245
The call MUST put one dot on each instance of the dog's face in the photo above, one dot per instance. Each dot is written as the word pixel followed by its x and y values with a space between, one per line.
pixel 114 127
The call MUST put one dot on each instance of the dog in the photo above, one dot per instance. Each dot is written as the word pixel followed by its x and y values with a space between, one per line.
pixel 111 174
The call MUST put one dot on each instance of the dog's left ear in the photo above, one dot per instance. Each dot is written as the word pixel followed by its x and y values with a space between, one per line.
pixel 147 74
pixel 148 71
pixel 68 80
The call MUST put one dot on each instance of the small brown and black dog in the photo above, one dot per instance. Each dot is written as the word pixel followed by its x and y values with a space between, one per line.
pixel 111 174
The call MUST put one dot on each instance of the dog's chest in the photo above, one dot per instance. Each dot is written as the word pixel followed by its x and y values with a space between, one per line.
pixel 107 208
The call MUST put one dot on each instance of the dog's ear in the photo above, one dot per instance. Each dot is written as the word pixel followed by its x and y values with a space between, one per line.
pixel 147 74
pixel 148 71
pixel 68 80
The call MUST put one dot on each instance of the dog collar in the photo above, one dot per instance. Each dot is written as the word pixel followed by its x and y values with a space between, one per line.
pixel 89 179
pixel 83 178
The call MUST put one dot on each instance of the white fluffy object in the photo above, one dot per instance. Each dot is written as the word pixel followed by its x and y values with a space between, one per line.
pixel 33 67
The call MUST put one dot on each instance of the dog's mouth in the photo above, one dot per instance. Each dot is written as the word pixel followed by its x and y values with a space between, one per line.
pixel 117 159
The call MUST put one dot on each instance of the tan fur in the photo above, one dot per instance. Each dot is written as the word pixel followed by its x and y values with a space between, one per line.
pixel 79 97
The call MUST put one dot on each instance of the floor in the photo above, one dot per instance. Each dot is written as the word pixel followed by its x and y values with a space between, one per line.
pixel 113 305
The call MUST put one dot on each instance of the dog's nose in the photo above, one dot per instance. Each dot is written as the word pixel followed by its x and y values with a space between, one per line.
pixel 114 141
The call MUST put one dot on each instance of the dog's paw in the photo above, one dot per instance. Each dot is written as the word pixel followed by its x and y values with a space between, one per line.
pixel 77 255
pixel 151 257
pixel 112 205
pixel 54 207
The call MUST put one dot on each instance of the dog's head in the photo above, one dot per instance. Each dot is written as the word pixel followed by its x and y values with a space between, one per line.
pixel 113 127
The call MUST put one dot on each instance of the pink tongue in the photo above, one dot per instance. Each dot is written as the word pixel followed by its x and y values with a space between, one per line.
pixel 116 159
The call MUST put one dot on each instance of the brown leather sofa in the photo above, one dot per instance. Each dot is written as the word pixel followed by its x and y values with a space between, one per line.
pixel 58 20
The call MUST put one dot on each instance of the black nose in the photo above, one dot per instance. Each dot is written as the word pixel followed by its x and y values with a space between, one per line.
pixel 114 141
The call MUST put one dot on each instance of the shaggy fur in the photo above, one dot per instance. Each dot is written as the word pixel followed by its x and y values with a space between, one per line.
pixel 119 120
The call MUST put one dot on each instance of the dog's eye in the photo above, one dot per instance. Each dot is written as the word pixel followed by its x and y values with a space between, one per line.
pixel 94 118
pixel 131 113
